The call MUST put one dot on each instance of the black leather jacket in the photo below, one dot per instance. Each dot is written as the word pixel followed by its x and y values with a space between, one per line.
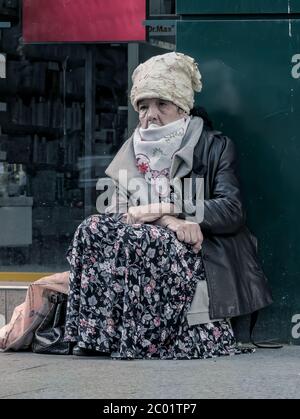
pixel 235 279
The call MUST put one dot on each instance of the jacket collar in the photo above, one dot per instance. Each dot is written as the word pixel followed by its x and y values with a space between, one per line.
pixel 181 165
pixel 182 162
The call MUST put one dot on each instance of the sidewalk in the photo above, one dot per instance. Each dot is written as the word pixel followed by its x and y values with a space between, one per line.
pixel 264 374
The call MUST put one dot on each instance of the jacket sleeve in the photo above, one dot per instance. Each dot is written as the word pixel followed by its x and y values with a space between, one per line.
pixel 224 212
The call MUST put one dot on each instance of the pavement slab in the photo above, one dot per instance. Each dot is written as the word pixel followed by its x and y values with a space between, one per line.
pixel 265 374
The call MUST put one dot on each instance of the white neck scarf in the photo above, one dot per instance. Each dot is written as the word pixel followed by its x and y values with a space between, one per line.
pixel 154 149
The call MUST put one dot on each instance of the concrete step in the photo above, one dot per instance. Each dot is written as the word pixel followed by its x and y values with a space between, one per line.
pixel 11 295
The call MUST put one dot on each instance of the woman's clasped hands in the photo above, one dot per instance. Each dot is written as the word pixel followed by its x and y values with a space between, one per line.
pixel 143 214
pixel 186 231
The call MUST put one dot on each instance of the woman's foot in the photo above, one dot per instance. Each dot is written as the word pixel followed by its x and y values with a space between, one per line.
pixel 78 351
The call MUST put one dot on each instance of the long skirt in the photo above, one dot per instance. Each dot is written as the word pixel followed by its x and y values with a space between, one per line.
pixel 131 287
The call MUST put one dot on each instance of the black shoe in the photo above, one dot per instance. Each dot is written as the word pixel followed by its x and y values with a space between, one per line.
pixel 78 351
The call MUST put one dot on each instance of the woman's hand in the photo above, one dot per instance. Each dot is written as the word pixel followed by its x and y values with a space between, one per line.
pixel 148 213
pixel 186 231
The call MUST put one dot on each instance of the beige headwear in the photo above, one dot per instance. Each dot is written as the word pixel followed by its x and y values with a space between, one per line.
pixel 172 76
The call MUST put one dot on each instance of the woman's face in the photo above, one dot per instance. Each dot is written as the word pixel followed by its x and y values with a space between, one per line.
pixel 158 112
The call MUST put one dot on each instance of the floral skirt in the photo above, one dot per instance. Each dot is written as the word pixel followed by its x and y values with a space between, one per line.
pixel 131 287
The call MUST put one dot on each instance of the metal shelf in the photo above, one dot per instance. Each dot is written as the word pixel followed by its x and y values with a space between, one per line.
pixel 5 25
pixel 8 13
pixel 18 129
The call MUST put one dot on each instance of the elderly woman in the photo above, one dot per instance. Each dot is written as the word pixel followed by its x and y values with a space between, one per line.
pixel 150 278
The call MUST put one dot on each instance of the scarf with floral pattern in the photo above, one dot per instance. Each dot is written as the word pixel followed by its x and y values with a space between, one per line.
pixel 154 149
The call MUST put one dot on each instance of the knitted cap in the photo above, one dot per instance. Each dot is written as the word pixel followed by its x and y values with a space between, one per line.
pixel 172 76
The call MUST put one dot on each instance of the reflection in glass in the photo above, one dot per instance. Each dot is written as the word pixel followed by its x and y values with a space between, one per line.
pixel 162 7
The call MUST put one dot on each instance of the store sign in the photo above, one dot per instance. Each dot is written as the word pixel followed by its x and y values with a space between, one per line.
pixel 2 66
pixel 83 21
pixel 162 30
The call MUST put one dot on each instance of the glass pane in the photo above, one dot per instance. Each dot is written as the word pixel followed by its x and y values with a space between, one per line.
pixel 41 142
pixel 162 7
pixel 111 113
pixel 47 176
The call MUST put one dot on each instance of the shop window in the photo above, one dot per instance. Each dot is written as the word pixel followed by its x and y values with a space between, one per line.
pixel 47 177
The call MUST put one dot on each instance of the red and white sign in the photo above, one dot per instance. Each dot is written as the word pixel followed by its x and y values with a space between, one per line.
pixel 83 20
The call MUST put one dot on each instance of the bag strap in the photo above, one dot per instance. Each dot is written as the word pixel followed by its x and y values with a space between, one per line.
pixel 263 345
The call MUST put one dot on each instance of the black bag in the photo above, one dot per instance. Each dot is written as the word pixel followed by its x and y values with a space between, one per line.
pixel 49 335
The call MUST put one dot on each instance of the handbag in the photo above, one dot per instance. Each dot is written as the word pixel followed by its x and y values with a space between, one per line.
pixel 49 335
